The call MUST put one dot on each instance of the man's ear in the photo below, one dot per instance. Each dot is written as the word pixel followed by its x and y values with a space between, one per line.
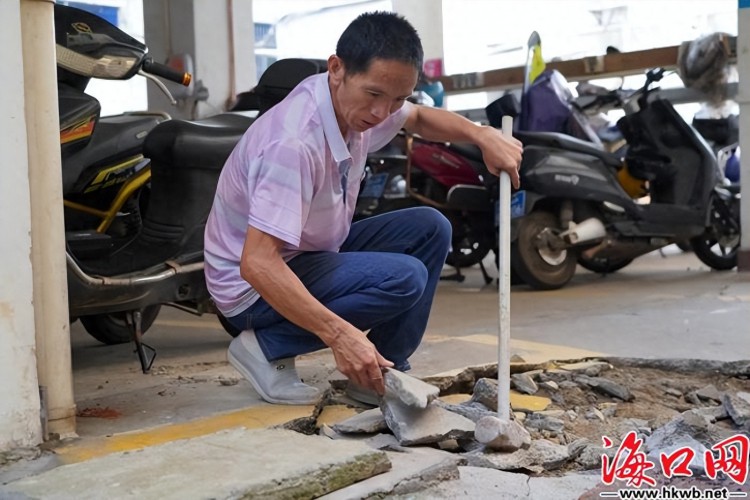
pixel 336 68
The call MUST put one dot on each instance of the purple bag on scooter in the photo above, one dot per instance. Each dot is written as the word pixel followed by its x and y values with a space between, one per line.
pixel 547 107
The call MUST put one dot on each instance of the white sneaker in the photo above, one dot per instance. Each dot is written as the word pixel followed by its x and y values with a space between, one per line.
pixel 276 381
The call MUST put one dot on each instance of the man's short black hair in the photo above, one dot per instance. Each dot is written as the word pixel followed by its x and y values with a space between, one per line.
pixel 379 35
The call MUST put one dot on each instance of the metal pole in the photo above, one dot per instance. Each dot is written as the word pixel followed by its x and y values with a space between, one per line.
pixel 503 267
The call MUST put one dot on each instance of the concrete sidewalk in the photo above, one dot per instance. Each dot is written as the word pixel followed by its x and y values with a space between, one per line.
pixel 194 429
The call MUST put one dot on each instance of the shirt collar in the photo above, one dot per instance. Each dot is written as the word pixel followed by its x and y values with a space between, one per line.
pixel 331 129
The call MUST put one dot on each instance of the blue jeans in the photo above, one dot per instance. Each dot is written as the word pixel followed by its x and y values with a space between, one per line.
pixel 383 280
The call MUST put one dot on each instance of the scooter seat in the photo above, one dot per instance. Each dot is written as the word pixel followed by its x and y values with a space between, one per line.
pixel 204 143
pixel 568 143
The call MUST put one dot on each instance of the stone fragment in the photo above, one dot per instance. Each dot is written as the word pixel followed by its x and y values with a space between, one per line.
pixel 738 408
pixel 661 443
pixel 591 456
pixel 606 386
pixel 576 447
pixel 591 368
pixel 549 385
pixel 543 422
pixel 714 413
pixel 433 424
pixel 673 392
pixel 387 442
pixel 523 382
pixel 595 413
pixel 501 435
pixel 709 392
pixel 410 390
pixel 472 411
pixel 366 422
pixel 608 409
pixel 485 392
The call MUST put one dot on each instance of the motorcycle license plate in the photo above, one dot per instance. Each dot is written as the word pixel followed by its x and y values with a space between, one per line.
pixel 518 204
pixel 374 186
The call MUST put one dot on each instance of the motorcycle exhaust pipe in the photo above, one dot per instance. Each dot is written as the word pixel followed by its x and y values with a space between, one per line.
pixel 584 232
pixel 174 268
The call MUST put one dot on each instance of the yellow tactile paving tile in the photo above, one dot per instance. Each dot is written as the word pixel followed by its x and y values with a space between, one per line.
pixel 530 351
pixel 251 418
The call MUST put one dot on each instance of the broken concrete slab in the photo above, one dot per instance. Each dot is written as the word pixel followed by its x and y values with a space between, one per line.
pixel 412 471
pixel 410 390
pixel 541 456
pixel 237 463
pixel 433 424
pixel 366 422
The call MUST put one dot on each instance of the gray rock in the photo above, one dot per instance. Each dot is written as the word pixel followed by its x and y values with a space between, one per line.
pixel 366 422
pixel 709 392
pixel 550 385
pixel 714 413
pixel 591 456
pixel 543 422
pixel 669 444
pixel 424 426
pixel 673 392
pixel 608 409
pixel 471 410
pixel 542 455
pixel 576 447
pixel 595 414
pixel 606 386
pixel 410 390
pixel 739 409
pixel 502 435
pixel 485 392
pixel 591 368
pixel 523 382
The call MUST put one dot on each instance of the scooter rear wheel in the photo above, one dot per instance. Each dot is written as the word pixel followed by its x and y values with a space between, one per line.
pixel 537 263
pixel 113 328
pixel 717 246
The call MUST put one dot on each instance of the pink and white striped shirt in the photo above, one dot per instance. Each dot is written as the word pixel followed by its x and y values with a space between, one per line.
pixel 285 177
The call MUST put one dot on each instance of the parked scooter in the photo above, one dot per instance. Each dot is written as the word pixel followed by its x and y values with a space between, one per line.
pixel 411 171
pixel 116 289
pixel 574 205
pixel 104 173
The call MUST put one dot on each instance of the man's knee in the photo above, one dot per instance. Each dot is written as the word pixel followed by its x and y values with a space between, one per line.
pixel 409 280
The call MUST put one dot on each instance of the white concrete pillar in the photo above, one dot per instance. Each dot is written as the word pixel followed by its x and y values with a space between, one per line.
pixel 19 395
pixel 427 17
pixel 743 98
pixel 218 35
pixel 47 224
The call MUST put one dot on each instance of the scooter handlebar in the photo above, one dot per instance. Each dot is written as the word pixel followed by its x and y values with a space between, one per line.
pixel 164 71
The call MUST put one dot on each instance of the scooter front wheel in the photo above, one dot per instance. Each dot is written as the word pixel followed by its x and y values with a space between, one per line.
pixel 535 256
pixel 717 246
pixel 113 328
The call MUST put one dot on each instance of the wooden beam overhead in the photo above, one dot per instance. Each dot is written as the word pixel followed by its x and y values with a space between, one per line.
pixel 587 68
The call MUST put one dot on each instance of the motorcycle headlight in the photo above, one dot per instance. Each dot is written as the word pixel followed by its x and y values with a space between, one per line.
pixel 106 67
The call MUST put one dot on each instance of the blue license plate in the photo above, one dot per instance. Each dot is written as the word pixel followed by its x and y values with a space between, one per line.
pixel 518 204
pixel 374 186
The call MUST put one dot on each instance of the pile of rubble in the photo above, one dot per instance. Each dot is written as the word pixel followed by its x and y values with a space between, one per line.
pixel 569 409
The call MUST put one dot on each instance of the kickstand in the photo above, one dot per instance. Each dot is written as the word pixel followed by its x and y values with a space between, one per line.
pixel 487 277
pixel 457 276
pixel 146 353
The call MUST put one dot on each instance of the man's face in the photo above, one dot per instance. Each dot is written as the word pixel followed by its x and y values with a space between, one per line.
pixel 363 100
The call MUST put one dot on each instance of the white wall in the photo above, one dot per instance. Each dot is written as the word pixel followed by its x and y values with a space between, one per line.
pixel 19 397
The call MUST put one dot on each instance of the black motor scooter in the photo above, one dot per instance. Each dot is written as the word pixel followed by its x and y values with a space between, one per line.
pixel 112 288
pixel 573 205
